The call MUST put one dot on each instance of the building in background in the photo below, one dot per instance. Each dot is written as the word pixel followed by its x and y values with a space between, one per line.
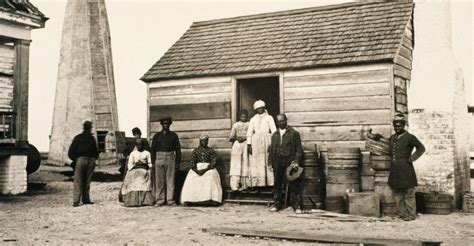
pixel 85 88
pixel 335 71
pixel 17 19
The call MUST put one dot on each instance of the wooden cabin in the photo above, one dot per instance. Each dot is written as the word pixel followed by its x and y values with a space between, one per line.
pixel 17 19
pixel 335 71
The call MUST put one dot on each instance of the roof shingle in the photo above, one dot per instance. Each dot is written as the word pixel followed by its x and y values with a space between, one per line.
pixel 311 37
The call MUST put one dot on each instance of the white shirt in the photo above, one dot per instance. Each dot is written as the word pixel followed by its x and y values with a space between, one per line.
pixel 137 156
pixel 282 131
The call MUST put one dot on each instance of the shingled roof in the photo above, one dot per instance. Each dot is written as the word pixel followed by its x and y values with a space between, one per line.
pixel 25 9
pixel 312 37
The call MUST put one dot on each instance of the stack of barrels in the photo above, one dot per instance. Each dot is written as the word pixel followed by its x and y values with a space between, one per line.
pixel 312 180
pixel 342 176
pixel 381 165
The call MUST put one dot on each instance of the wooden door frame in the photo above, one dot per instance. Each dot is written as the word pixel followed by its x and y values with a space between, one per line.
pixel 235 90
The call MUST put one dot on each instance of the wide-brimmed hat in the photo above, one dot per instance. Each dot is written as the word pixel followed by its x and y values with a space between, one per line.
pixel 293 173
pixel 165 118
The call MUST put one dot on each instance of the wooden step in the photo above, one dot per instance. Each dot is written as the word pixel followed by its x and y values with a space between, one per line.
pixel 245 201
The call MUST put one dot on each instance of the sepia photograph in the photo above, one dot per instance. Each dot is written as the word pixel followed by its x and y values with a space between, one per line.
pixel 236 122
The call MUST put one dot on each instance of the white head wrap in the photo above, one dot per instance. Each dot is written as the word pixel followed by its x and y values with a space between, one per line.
pixel 259 104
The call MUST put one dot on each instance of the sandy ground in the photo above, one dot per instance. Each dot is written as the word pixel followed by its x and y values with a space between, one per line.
pixel 45 216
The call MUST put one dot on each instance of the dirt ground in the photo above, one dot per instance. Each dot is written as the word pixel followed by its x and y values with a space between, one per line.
pixel 45 216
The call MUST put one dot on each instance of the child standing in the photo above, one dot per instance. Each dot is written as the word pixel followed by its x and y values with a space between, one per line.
pixel 239 162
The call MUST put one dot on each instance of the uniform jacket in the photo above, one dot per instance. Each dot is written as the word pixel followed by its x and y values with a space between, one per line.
pixel 288 146
pixel 402 173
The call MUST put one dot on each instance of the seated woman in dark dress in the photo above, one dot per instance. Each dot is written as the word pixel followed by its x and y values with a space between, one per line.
pixel 137 185
pixel 203 184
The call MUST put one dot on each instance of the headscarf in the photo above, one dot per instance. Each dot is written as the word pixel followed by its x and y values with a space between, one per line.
pixel 204 137
pixel 259 104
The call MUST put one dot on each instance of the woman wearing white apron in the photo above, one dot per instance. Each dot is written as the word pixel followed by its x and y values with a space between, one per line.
pixel 239 158
pixel 203 184
pixel 261 128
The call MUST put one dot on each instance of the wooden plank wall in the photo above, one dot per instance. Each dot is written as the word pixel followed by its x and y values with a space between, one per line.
pixel 197 106
pixel 7 64
pixel 402 69
pixel 334 107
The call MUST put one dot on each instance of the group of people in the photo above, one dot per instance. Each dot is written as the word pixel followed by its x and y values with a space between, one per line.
pixel 263 154
pixel 262 151
pixel 149 175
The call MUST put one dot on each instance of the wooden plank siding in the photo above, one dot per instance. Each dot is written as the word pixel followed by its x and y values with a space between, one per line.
pixel 7 59
pixel 197 106
pixel 402 70
pixel 335 107
pixel 7 64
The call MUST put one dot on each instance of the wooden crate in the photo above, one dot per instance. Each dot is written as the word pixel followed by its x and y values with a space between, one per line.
pixel 363 203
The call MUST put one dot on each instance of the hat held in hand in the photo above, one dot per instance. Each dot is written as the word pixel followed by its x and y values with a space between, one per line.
pixel 293 172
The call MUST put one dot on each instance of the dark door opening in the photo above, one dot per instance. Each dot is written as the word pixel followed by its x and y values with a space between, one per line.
pixel 251 90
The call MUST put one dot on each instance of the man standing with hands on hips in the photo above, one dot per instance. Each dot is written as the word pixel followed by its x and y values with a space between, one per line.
pixel 285 152
pixel 166 156
pixel 402 177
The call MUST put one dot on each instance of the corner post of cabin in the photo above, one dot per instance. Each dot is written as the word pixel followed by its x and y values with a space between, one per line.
pixel 22 53
pixel 233 106
pixel 281 89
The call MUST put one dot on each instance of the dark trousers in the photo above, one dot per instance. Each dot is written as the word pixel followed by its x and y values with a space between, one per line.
pixel 165 169
pixel 294 187
pixel 82 178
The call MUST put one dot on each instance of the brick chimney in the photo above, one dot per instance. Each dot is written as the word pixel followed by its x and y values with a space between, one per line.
pixel 437 103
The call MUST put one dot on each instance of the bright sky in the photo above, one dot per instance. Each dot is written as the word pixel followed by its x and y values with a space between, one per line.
pixel 142 30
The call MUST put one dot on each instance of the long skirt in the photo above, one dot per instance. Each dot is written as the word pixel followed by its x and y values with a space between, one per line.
pixel 137 188
pixel 205 188
pixel 239 166
pixel 260 173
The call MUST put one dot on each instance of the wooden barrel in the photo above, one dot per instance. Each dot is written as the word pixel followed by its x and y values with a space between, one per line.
pixel 312 202
pixel 335 204
pixel 381 187
pixel 312 185
pixel 380 162
pixel 343 171
pixel 438 203
pixel 347 158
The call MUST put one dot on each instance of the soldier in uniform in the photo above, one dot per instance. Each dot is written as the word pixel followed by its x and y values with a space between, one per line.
pixel 402 177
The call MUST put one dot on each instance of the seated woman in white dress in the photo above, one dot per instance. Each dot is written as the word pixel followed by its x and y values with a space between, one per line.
pixel 203 184
pixel 137 186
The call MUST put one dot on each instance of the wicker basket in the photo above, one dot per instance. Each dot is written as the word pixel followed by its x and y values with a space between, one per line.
pixel 377 147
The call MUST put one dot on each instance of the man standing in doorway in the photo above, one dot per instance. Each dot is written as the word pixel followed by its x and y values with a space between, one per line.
pixel 83 151
pixel 402 177
pixel 166 156
pixel 285 150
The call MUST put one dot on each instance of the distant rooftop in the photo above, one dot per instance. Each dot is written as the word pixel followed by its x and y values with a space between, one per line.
pixel 295 39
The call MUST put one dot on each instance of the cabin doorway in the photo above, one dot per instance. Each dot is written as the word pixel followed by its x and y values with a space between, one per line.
pixel 253 89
